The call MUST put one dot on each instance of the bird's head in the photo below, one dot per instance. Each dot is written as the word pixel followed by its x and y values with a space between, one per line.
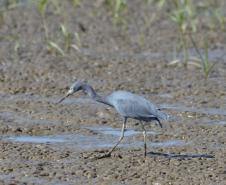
pixel 76 86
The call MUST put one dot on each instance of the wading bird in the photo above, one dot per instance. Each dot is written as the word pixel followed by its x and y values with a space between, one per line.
pixel 127 104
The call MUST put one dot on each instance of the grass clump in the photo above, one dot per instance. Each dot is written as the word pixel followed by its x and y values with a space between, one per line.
pixel 206 65
pixel 117 7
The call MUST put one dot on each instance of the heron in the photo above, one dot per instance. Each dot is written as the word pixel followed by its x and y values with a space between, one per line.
pixel 127 104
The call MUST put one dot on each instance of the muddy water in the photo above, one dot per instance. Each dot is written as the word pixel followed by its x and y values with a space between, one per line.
pixel 103 138
pixel 58 143
pixel 56 140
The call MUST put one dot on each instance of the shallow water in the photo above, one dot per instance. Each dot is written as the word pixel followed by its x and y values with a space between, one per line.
pixel 24 118
pixel 182 108
pixel 116 131
pixel 105 138
pixel 213 55
pixel 36 139
pixel 168 143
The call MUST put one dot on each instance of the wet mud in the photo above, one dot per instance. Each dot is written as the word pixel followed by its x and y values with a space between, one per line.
pixel 43 142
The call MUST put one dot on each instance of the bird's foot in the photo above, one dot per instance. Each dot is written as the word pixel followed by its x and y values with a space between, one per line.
pixel 106 155
pixel 96 156
pixel 101 155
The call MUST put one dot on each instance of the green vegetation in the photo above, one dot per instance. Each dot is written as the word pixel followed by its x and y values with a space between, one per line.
pixel 67 42
pixel 76 3
pixel 63 42
pixel 52 46
pixel 189 17
pixel 42 4
pixel 67 37
pixel 183 13
pixel 183 16
pixel 117 7
pixel 206 66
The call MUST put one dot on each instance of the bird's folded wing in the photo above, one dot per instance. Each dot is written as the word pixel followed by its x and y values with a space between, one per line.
pixel 135 108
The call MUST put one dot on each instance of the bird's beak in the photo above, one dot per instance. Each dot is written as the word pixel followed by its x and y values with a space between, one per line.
pixel 62 99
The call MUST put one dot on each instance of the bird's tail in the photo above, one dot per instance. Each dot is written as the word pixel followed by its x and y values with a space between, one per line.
pixel 166 117
pixel 162 115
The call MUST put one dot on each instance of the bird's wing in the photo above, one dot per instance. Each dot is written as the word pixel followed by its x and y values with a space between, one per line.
pixel 135 108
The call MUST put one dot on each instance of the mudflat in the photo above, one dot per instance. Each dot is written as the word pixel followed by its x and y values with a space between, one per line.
pixel 43 142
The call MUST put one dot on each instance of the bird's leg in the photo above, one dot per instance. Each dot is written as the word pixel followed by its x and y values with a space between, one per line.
pixel 144 134
pixel 160 124
pixel 121 137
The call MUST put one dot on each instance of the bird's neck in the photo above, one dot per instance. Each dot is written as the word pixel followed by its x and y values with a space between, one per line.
pixel 89 90
pixel 92 93
pixel 102 99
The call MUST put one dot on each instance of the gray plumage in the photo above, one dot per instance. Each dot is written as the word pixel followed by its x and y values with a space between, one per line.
pixel 127 104
pixel 133 106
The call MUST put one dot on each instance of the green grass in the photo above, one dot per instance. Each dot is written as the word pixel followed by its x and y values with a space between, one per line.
pixel 206 65
pixel 190 17
pixel 67 37
pixel 42 5
pixel 183 14
pixel 117 7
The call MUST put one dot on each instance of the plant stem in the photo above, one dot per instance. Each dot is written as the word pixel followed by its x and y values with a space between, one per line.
pixel 184 45
pixel 45 28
